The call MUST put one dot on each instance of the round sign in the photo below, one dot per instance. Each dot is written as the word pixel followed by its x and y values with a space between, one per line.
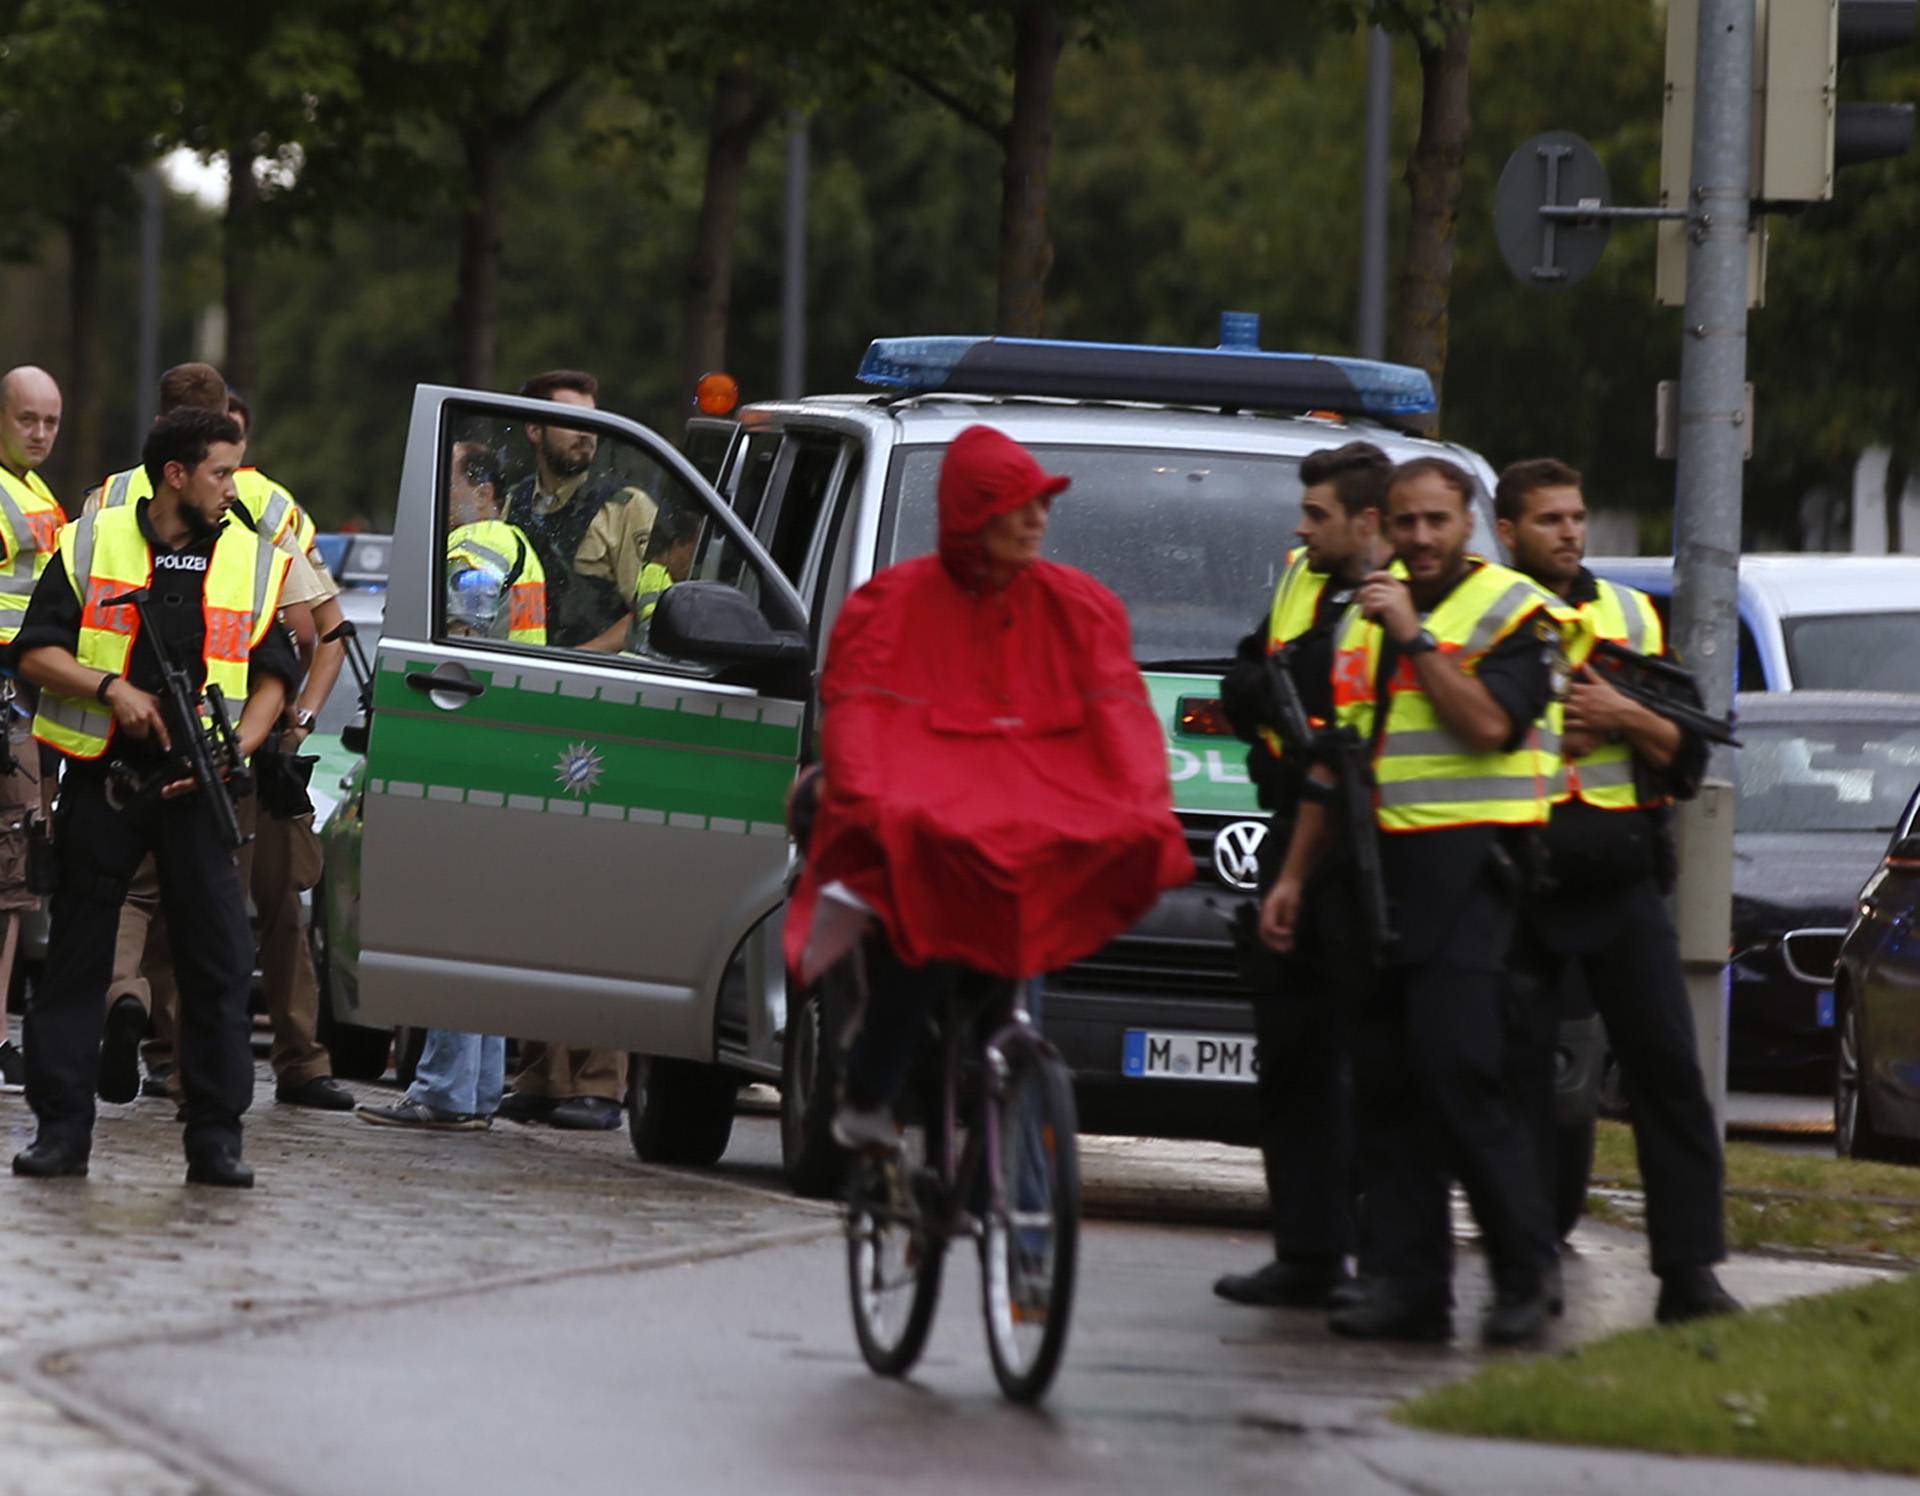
pixel 1556 169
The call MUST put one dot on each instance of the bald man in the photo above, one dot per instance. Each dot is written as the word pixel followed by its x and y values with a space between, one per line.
pixel 30 521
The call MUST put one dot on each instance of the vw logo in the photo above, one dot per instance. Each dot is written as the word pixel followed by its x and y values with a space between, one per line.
pixel 1236 854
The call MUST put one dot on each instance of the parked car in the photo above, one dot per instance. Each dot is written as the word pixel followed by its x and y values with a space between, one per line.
pixel 589 847
pixel 1876 997
pixel 356 559
pixel 1810 622
pixel 1822 777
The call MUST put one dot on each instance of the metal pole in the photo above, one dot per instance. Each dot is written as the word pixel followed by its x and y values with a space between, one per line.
pixel 147 340
pixel 793 272
pixel 1370 318
pixel 1712 442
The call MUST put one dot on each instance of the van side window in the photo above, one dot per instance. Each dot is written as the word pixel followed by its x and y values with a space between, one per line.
pixel 755 469
pixel 811 461
pixel 563 539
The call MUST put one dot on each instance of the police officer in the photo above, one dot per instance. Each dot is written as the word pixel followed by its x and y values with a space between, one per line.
pixel 30 521
pixel 496 586
pixel 1300 1015
pixel 214 588
pixel 1604 910
pixel 1445 665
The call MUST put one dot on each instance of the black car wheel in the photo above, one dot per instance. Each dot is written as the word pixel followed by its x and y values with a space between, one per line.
pixel 359 1053
pixel 1854 1135
pixel 679 1112
pixel 815 1165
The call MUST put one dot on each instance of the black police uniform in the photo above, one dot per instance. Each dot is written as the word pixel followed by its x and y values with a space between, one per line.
pixel 1431 1091
pixel 96 850
pixel 1604 913
pixel 1304 1089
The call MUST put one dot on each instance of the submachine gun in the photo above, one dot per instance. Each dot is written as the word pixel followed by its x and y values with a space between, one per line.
pixel 1662 687
pixel 1347 754
pixel 206 747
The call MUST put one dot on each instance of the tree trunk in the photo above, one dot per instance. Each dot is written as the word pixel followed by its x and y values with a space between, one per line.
pixel 238 249
pixel 740 111
pixel 80 431
pixel 476 309
pixel 1026 253
pixel 1433 180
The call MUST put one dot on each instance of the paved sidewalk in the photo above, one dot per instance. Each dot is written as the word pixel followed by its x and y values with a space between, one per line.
pixel 343 1214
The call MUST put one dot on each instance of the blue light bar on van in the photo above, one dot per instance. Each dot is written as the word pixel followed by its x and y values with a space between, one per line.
pixel 1241 378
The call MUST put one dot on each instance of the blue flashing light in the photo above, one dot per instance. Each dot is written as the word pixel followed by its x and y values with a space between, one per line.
pixel 1236 377
pixel 1240 330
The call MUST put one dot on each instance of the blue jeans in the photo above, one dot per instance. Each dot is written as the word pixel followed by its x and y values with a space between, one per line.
pixel 461 1073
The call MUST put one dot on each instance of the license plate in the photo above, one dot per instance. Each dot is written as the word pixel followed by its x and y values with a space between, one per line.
pixel 1153 1055
pixel 1823 1008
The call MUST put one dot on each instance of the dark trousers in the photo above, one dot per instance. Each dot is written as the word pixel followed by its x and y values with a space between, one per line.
pixel 900 1003
pixel 1432 1095
pixel 1305 1100
pixel 1624 945
pixel 97 849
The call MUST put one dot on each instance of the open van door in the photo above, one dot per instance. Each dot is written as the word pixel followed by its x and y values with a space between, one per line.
pixel 563 842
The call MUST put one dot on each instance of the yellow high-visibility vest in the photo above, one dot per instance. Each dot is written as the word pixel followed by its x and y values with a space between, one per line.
pixel 106 556
pixel 30 521
pixel 500 547
pixel 1295 601
pixel 1426 778
pixel 648 588
pixel 275 515
pixel 1604 778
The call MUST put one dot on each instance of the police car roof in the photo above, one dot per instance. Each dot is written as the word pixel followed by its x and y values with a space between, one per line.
pixel 1793 585
pixel 934 420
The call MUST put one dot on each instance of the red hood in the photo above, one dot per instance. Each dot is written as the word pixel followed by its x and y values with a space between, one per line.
pixel 986 472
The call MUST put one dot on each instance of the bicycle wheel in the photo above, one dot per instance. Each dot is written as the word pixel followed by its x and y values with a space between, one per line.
pixel 893 1265
pixel 1030 1247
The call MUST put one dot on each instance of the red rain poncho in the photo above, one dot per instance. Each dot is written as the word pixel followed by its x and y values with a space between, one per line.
pixel 995 784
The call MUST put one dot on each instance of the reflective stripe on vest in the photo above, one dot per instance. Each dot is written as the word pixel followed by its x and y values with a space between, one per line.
pixel 500 547
pixel 1427 779
pixel 1604 778
pixel 1295 602
pixel 32 517
pixel 106 556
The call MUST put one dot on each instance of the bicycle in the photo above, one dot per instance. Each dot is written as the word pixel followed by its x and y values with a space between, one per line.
pixel 1015 1095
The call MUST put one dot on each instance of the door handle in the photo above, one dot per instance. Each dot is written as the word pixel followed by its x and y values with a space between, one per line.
pixel 433 683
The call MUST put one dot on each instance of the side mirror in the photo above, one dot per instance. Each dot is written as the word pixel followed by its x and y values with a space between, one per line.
pixel 716 625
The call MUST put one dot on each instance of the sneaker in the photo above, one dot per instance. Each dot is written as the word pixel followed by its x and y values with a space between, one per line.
pixel 13 1067
pixel 410 1113
pixel 866 1129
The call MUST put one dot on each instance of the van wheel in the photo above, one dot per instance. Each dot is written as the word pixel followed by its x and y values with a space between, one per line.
pixel 1572 1170
pixel 679 1112
pixel 815 1165
pixel 359 1053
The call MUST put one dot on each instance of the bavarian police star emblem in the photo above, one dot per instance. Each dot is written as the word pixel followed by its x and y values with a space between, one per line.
pixel 578 768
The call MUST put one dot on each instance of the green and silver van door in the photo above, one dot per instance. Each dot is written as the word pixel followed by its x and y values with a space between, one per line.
pixel 567 832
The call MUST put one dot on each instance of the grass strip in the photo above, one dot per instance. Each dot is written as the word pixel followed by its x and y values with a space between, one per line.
pixel 1798 1201
pixel 1817 1381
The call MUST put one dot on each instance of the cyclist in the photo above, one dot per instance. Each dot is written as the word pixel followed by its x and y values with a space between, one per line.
pixel 994 794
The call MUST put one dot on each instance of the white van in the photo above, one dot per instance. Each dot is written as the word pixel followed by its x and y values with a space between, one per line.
pixel 1810 622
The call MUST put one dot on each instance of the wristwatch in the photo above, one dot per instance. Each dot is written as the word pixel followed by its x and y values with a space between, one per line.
pixel 1421 643
pixel 304 719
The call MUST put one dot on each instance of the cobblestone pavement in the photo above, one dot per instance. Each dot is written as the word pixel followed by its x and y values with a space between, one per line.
pixel 342 1214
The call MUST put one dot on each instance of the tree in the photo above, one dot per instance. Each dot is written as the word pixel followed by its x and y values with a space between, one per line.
pixel 951 51
pixel 82 115
pixel 1442 32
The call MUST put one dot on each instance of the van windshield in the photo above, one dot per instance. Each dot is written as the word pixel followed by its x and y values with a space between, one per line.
pixel 1192 542
pixel 1854 651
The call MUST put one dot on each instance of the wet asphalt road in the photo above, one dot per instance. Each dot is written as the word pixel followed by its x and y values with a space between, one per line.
pixel 537 1312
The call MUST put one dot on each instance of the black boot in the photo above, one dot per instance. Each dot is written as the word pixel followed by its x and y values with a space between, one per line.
pixel 1689 1293
pixel 53 1158
pixel 1389 1312
pixel 1285 1284
pixel 1516 1318
pixel 219 1164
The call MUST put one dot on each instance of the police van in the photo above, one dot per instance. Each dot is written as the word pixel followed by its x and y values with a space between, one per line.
pixel 589 848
